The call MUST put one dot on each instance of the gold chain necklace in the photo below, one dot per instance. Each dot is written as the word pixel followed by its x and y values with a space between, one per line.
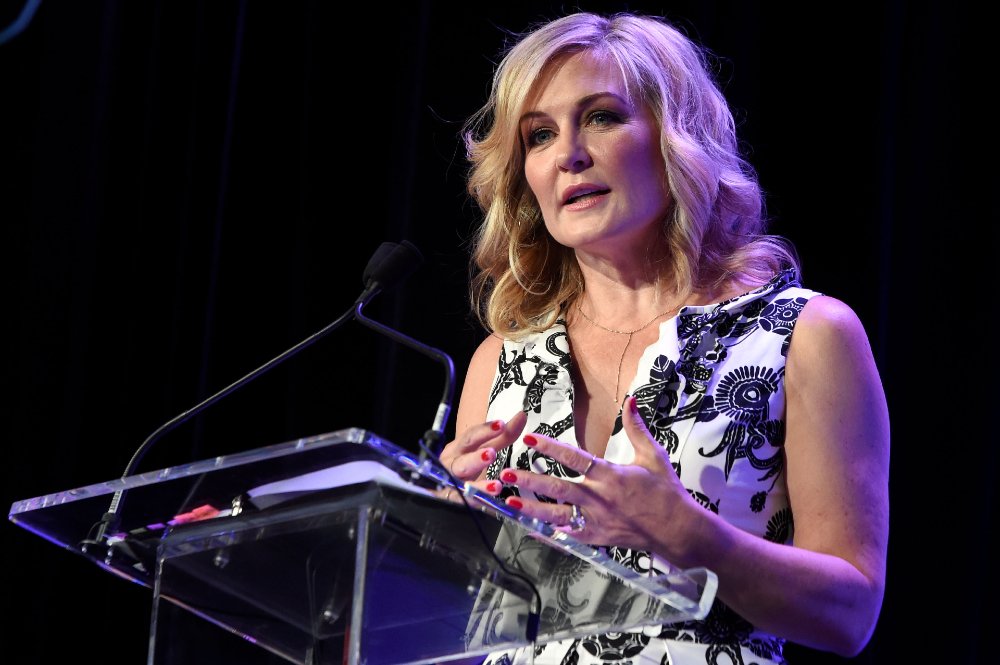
pixel 621 359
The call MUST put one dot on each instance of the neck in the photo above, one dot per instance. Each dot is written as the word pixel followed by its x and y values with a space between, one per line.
pixel 627 330
pixel 619 307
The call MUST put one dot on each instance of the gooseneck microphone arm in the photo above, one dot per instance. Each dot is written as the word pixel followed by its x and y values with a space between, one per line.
pixel 109 521
pixel 389 265
pixel 433 436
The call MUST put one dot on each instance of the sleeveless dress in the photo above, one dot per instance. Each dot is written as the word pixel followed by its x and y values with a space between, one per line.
pixel 711 392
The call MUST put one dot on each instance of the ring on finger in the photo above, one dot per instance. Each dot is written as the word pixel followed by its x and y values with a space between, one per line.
pixel 589 465
pixel 577 522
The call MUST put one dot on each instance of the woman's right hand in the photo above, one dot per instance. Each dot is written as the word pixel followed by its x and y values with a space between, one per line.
pixel 468 456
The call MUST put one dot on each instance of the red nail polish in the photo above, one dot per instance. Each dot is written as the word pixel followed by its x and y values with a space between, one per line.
pixel 496 425
pixel 530 440
pixel 514 502
pixel 486 455
pixel 493 487
pixel 508 476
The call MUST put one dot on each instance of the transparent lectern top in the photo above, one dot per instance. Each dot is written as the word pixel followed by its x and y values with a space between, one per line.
pixel 232 496
pixel 153 502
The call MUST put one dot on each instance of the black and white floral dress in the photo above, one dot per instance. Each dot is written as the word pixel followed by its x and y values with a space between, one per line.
pixel 711 391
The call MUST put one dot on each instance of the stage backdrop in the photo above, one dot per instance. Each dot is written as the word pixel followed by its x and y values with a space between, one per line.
pixel 190 188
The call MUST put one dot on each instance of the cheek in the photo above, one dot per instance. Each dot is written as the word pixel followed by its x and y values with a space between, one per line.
pixel 534 175
pixel 647 168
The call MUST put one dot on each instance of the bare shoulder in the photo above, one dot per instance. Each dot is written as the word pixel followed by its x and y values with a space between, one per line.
pixel 473 404
pixel 830 356
pixel 829 324
pixel 487 353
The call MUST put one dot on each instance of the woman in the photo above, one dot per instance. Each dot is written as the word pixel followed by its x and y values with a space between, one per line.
pixel 642 385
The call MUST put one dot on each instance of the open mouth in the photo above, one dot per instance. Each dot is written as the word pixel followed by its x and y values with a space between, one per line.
pixel 586 195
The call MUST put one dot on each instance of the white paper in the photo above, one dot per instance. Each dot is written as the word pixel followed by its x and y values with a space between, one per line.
pixel 349 473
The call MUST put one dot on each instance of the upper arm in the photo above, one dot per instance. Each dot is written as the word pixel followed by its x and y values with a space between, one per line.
pixel 474 401
pixel 837 438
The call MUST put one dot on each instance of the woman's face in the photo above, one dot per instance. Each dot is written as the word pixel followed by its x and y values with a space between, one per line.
pixel 593 160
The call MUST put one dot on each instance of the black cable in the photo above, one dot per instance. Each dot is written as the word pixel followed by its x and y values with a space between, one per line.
pixel 534 613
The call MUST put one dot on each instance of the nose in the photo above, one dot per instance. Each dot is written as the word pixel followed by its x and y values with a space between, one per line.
pixel 573 155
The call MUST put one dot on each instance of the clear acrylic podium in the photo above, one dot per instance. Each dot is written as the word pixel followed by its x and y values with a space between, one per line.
pixel 334 549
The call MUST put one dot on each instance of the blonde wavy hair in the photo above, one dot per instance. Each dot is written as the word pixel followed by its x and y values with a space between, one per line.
pixel 522 279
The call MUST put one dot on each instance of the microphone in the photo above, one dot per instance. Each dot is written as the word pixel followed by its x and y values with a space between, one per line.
pixel 388 266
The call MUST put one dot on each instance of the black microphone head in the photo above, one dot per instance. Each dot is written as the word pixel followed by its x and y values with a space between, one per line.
pixel 377 259
pixel 391 263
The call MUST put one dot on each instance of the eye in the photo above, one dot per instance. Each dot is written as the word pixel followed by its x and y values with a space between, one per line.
pixel 538 136
pixel 603 118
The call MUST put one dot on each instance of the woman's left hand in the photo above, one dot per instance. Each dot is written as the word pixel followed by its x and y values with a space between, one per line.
pixel 619 503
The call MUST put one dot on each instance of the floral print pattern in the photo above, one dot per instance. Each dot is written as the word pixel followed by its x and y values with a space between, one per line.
pixel 711 391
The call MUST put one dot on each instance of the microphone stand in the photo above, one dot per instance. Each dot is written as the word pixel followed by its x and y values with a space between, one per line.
pixel 388 265
pixel 109 521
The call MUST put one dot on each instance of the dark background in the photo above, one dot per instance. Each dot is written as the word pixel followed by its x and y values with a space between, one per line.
pixel 190 188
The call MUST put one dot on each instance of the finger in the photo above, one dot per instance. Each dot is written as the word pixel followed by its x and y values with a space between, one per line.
pixel 556 489
pixel 452 493
pixel 479 445
pixel 571 457
pixel 490 487
pixel 479 435
pixel 516 424
pixel 645 446
pixel 557 514
pixel 494 434
pixel 448 493
pixel 470 466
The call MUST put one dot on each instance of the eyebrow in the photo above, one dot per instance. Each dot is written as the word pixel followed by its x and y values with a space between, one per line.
pixel 583 101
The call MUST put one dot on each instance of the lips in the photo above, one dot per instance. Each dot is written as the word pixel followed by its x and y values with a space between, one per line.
pixel 579 193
